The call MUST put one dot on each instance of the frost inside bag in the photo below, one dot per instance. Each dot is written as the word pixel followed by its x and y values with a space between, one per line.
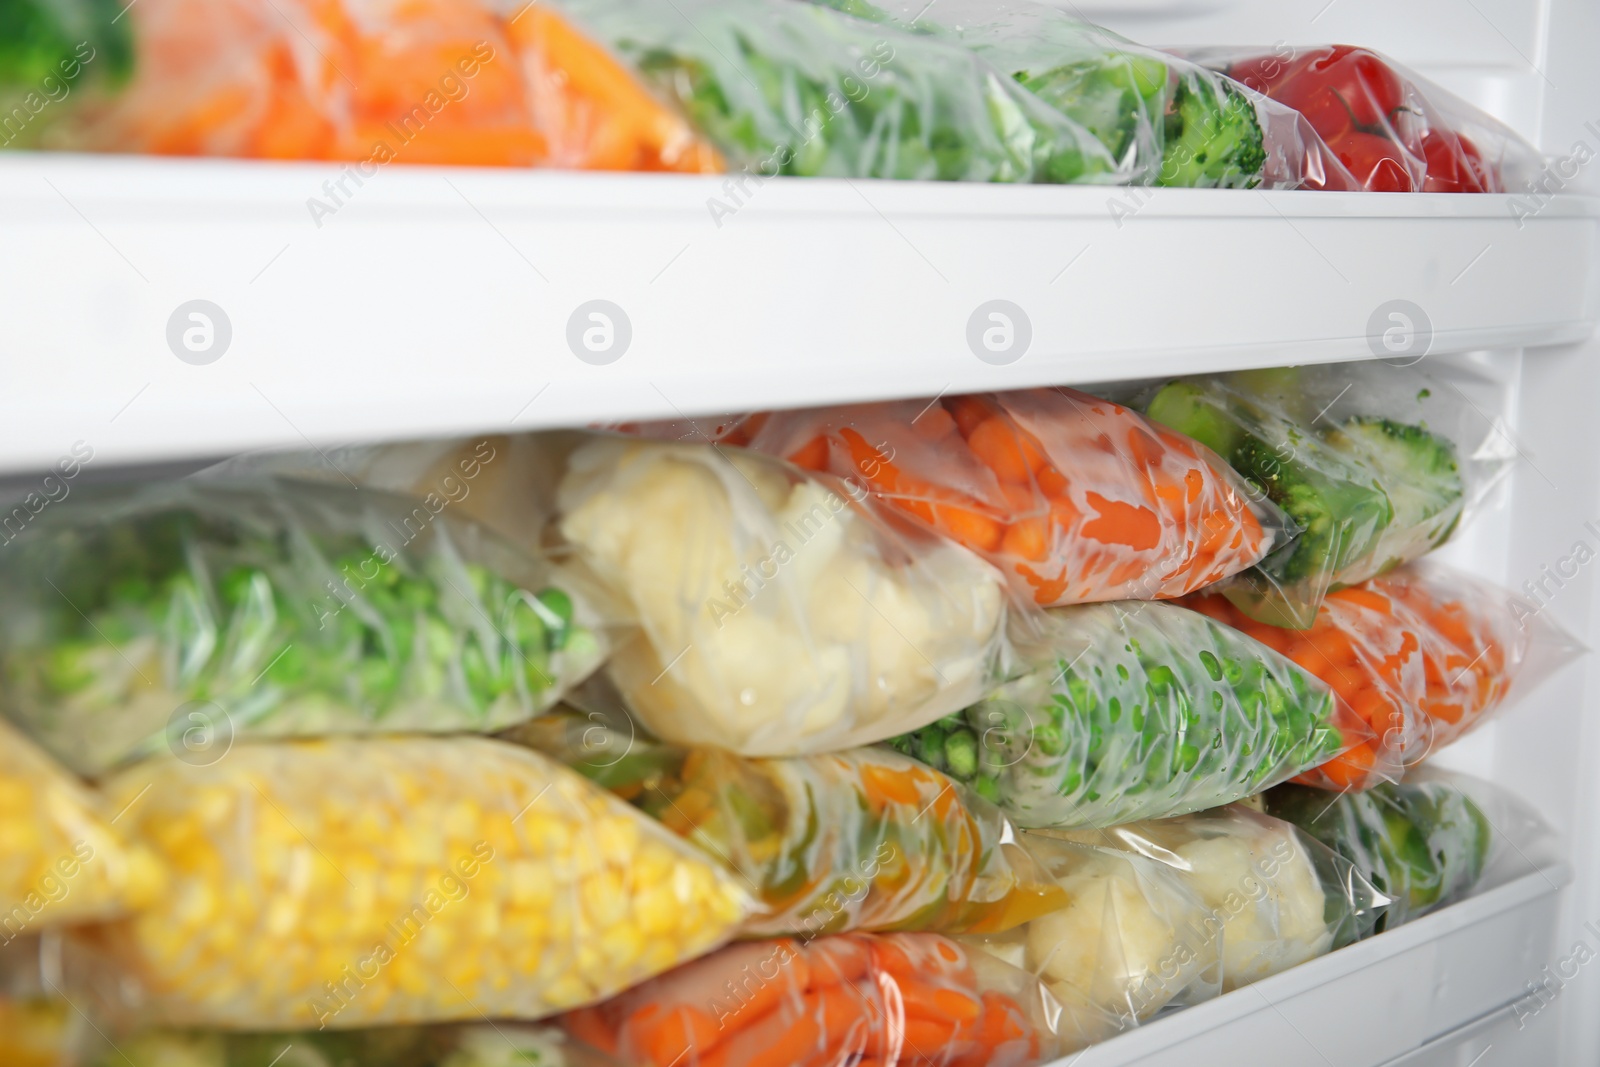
pixel 1376 463
pixel 1121 712
pixel 360 881
pixel 61 861
pixel 865 839
pixel 787 88
pixel 1164 120
pixel 1425 842
pixel 367 81
pixel 1394 132
pixel 1074 499
pixel 1274 897
pixel 183 615
pixel 777 615
pixel 1131 940
pixel 900 1000
pixel 1422 654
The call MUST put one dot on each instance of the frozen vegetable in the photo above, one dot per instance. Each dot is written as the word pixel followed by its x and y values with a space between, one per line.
pixel 502 1044
pixel 1074 498
pixel 1113 715
pixel 1371 461
pixel 860 840
pixel 777 614
pixel 908 1000
pixel 435 81
pixel 61 859
pixel 184 615
pixel 35 1033
pixel 1394 131
pixel 360 881
pixel 1422 654
pixel 787 88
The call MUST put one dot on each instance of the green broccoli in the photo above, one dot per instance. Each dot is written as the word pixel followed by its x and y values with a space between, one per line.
pixel 1212 137
pixel 1115 95
pixel 1422 479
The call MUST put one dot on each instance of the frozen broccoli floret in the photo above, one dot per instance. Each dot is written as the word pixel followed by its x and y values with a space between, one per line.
pixel 1421 473
pixel 1213 138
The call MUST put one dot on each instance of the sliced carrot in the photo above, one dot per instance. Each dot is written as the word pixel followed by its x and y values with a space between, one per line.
pixel 1119 523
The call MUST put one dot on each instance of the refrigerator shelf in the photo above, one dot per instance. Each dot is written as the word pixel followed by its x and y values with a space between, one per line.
pixel 427 301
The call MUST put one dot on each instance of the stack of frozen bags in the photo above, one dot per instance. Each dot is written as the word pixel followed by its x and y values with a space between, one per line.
pixel 970 90
pixel 964 731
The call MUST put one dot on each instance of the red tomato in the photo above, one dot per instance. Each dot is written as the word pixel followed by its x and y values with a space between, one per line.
pixel 1453 164
pixel 1377 162
pixel 1340 87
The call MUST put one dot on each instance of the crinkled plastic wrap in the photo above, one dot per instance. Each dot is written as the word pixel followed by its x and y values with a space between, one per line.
pixel 367 81
pixel 1273 896
pixel 1422 654
pixel 61 859
pixel 776 613
pixel 788 88
pixel 1122 712
pixel 865 839
pixel 1164 120
pixel 900 1000
pixel 1376 463
pixel 1074 499
pixel 1130 942
pixel 184 615
pixel 1394 132
pixel 362 881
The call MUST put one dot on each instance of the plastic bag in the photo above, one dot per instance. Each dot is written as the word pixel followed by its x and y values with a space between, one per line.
pixel 860 840
pixel 787 88
pixel 1131 941
pixel 368 81
pixel 1423 654
pixel 777 615
pixel 901 1000
pixel 1426 842
pixel 1376 463
pixel 356 882
pixel 61 860
pixel 1274 897
pixel 1113 715
pixel 184 615
pixel 1073 498
pixel 1394 132
pixel 1164 120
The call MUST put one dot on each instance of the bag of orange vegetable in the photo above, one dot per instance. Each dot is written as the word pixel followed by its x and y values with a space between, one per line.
pixel 1075 499
pixel 368 81
pixel 1423 654
pixel 895 1000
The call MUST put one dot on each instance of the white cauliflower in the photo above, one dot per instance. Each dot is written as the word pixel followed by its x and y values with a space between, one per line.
pixel 775 618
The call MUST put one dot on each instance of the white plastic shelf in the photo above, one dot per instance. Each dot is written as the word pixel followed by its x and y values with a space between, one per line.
pixel 436 300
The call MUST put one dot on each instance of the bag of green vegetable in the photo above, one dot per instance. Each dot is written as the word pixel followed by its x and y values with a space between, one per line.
pixel 865 839
pixel 777 612
pixel 1376 463
pixel 1117 712
pixel 1274 897
pixel 787 88
pixel 1165 120
pixel 1425 842
pixel 188 614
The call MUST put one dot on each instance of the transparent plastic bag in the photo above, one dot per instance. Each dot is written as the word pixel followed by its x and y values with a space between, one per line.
pixel 1426 842
pixel 1120 712
pixel 1394 131
pixel 184 615
pixel 788 88
pixel 1165 121
pixel 367 81
pixel 1422 654
pixel 1274 896
pixel 901 1000
pixel 860 840
pixel 1130 941
pixel 776 614
pixel 1376 463
pixel 1074 499
pixel 61 860
pixel 362 881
